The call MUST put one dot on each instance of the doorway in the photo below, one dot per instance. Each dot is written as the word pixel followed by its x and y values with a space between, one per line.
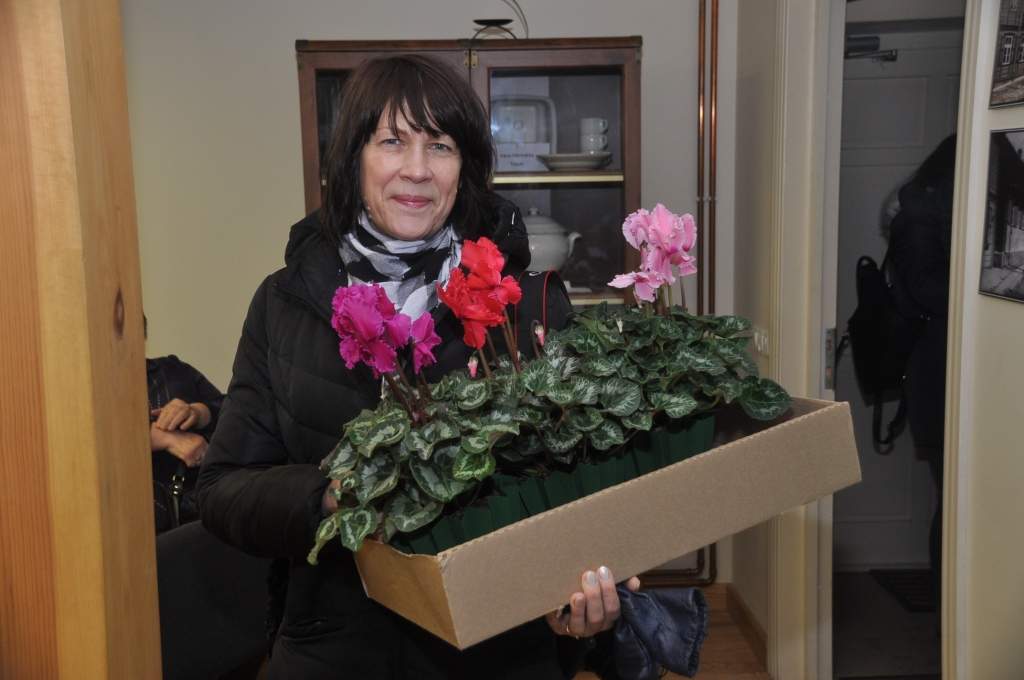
pixel 900 99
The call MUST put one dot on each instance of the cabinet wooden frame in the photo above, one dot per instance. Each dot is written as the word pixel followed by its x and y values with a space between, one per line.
pixel 478 60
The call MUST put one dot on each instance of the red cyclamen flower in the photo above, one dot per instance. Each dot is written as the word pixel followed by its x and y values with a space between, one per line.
pixel 476 310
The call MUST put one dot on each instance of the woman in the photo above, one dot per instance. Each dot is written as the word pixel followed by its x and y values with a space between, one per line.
pixel 407 181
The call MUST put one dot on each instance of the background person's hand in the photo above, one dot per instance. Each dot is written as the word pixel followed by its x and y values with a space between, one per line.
pixel 595 609
pixel 180 415
pixel 188 446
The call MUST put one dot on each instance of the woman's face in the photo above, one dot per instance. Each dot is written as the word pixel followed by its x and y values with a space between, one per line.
pixel 409 179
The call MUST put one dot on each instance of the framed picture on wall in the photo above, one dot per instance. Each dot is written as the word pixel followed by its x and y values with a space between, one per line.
pixel 1002 255
pixel 1008 67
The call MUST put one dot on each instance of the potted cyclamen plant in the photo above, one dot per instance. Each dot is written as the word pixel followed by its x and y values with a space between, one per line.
pixel 620 391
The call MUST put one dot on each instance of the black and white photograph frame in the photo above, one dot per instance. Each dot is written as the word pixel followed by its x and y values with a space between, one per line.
pixel 1002 255
pixel 1008 66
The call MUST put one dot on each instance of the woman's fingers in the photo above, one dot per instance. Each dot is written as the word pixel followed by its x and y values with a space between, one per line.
pixel 609 597
pixel 577 625
pixel 633 584
pixel 595 602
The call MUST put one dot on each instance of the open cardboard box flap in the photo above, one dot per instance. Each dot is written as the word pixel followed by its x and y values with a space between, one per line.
pixel 488 585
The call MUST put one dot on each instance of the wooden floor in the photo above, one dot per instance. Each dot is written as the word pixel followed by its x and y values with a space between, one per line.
pixel 726 655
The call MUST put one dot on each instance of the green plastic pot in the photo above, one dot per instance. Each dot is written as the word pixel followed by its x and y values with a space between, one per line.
pixel 559 489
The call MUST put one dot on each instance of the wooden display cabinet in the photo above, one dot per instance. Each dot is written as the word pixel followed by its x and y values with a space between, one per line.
pixel 536 93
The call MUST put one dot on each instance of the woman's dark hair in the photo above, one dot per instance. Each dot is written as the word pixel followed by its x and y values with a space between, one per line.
pixel 433 98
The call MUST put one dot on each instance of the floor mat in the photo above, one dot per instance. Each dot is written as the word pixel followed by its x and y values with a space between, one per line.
pixel 911 587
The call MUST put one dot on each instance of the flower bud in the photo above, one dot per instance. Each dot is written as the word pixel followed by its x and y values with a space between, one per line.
pixel 538 330
pixel 472 365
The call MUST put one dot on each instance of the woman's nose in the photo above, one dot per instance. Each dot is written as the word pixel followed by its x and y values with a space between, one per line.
pixel 416 166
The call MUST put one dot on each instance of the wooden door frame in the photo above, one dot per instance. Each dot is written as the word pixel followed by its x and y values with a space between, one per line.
pixel 76 509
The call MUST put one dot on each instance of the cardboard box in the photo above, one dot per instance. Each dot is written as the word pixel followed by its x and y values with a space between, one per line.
pixel 486 586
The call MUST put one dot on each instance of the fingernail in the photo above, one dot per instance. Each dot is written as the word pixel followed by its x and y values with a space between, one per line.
pixel 590 578
pixel 605 574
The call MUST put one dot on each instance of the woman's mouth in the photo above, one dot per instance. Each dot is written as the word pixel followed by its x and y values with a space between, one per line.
pixel 410 201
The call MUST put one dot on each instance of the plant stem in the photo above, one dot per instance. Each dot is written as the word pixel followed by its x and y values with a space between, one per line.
pixel 483 361
pixel 494 352
pixel 401 396
pixel 417 398
pixel 510 342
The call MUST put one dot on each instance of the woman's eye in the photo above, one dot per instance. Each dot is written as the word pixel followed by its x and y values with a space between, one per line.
pixel 441 147
pixel 390 141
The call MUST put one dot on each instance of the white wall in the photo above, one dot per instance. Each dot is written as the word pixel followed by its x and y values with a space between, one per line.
pixel 985 376
pixel 213 98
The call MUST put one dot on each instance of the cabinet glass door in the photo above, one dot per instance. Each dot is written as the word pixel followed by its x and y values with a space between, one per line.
pixel 565 148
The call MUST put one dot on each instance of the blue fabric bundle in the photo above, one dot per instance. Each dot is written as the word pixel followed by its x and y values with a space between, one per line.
pixel 663 628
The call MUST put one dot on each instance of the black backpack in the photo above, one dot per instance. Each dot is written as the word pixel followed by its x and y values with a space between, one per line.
pixel 882 339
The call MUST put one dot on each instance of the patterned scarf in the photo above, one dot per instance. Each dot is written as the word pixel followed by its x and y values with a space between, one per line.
pixel 406 270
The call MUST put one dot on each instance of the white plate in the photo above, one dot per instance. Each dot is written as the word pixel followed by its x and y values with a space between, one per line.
pixel 576 161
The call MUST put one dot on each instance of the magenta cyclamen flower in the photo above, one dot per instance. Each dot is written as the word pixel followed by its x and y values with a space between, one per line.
pixel 368 327
pixel 424 340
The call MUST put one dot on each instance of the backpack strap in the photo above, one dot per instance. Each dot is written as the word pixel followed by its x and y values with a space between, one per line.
pixel 884 445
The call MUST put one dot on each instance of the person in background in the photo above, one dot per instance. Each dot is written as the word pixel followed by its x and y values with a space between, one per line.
pixel 407 181
pixel 919 251
pixel 184 407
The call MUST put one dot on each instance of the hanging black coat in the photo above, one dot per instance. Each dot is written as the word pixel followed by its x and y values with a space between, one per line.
pixel 260 488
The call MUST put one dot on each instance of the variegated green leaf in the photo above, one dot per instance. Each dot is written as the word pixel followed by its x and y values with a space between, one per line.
pixel 416 444
pixel 640 419
pixel 585 390
pixel 606 435
pixel 327 530
pixel 472 394
pixel 763 399
pixel 341 460
pixel 355 525
pixel 434 477
pixel 675 405
pixel 700 360
pixel 530 415
pixel 565 366
pixel 584 419
pixel 561 440
pixel 473 466
pixel 409 513
pixel 562 394
pixel 604 365
pixel 621 397
pixel 539 376
pixel 377 476
pixel 477 442
pixel 440 429
pixel 386 428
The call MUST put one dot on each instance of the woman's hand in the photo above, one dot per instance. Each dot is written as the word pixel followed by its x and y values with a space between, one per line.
pixel 179 415
pixel 329 504
pixel 595 609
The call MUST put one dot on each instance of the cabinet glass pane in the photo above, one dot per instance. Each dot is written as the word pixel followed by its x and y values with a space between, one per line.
pixel 328 98
pixel 594 212
pixel 558 111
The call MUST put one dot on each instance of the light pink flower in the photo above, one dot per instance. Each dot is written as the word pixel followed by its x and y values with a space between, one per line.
pixel 635 227
pixel 645 283
pixel 671 237
pixel 368 328
pixel 424 340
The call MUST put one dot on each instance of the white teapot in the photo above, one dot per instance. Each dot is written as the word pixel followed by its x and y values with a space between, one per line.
pixel 550 245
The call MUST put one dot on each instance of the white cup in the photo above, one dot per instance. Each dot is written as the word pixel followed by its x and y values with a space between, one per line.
pixel 590 143
pixel 593 126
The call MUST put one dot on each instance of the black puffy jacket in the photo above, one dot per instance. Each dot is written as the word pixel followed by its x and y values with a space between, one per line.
pixel 290 395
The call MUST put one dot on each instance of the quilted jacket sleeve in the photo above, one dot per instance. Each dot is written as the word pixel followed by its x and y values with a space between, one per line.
pixel 250 495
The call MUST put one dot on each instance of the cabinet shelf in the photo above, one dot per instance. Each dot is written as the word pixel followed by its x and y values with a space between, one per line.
pixel 604 177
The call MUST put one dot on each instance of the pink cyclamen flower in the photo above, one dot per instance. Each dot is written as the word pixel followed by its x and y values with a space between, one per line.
pixel 424 340
pixel 368 328
pixel 645 283
pixel 473 364
pixel 635 227
pixel 671 237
